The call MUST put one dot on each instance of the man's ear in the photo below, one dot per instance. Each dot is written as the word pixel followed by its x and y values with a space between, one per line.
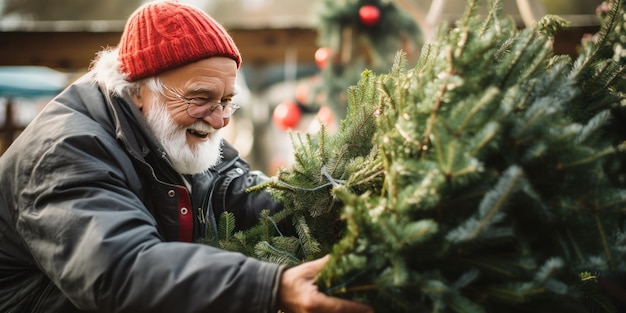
pixel 137 99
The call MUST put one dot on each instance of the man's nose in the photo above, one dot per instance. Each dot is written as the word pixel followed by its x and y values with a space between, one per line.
pixel 215 118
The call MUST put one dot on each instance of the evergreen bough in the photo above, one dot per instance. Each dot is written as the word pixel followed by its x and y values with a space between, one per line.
pixel 487 178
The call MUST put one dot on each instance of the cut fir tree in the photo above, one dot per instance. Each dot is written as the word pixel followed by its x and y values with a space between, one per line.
pixel 480 180
pixel 495 194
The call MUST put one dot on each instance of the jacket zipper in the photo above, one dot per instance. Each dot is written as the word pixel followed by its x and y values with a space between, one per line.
pixel 201 218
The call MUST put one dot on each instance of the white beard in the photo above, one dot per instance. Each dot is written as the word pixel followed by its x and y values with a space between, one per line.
pixel 185 158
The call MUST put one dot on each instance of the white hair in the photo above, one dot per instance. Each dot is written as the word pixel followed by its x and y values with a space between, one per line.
pixel 106 73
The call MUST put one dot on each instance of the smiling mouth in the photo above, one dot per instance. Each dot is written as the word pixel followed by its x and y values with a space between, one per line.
pixel 199 134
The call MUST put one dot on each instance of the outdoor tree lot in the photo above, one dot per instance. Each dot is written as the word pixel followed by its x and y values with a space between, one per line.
pixel 489 177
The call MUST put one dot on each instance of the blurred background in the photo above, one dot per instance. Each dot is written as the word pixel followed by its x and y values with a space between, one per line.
pixel 299 55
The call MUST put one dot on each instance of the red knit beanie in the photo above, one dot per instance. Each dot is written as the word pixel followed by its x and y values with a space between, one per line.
pixel 163 35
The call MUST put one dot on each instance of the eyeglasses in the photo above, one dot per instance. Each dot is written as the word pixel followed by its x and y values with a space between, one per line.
pixel 203 107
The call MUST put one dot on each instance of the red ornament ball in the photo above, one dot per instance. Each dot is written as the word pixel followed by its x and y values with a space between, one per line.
pixel 369 15
pixel 322 55
pixel 286 115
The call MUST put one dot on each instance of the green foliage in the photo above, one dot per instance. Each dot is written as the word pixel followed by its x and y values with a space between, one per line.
pixel 264 241
pixel 325 161
pixel 499 149
pixel 487 178
pixel 488 183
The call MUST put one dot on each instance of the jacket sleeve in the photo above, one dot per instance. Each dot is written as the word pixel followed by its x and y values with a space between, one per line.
pixel 80 217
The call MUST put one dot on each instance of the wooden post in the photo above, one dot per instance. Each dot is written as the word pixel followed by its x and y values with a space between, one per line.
pixel 9 128
pixel 531 11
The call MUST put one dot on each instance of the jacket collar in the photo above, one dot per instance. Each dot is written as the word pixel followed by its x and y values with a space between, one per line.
pixel 132 130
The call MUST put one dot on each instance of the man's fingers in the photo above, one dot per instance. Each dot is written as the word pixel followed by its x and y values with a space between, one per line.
pixel 321 261
pixel 315 266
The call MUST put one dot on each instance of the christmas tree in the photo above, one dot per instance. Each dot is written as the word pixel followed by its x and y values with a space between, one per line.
pixel 487 178
pixel 352 35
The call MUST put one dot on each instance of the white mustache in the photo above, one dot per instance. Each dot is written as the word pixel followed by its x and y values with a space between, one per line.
pixel 202 127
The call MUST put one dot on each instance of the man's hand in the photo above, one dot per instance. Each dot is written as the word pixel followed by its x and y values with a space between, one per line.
pixel 298 293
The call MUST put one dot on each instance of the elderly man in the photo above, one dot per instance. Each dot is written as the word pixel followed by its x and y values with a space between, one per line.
pixel 105 191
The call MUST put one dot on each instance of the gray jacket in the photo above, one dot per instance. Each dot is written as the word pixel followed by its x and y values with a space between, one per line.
pixel 93 218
